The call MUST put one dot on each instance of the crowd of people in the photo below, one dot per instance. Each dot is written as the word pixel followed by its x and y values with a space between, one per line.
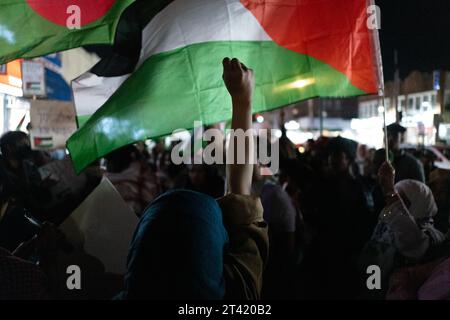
pixel 309 231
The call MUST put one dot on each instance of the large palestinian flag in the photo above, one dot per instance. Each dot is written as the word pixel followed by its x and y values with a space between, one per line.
pixel 31 28
pixel 298 48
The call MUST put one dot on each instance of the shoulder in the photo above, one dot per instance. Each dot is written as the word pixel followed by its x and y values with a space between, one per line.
pixel 406 157
pixel 273 192
pixel 241 209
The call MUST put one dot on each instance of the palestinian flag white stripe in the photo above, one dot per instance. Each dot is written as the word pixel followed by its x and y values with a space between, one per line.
pixel 188 22
pixel 90 92
pixel 180 24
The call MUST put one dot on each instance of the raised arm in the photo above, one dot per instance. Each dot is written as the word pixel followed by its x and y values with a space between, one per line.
pixel 240 84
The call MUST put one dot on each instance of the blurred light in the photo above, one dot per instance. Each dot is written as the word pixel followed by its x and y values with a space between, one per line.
pixel 278 133
pixel 292 125
pixel 301 149
pixel 295 111
pixel 380 109
pixel 298 137
pixel 348 134
pixel 442 131
pixel 301 83
pixel 297 84
pixel 259 118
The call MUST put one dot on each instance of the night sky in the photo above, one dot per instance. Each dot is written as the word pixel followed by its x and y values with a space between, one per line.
pixel 419 30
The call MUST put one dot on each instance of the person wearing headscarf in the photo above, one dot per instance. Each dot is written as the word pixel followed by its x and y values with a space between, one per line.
pixel 409 215
pixel 405 231
pixel 188 245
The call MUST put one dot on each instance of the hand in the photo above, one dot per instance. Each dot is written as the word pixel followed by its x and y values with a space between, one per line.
pixel 386 177
pixel 239 81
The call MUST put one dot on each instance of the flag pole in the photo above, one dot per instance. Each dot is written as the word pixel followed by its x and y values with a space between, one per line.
pixel 385 128
pixel 379 65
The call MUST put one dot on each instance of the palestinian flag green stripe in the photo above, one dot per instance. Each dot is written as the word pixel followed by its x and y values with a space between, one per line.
pixel 173 89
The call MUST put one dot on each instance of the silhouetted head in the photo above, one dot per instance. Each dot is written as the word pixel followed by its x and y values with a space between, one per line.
pixel 15 146
pixel 177 249
pixel 120 159
pixel 395 135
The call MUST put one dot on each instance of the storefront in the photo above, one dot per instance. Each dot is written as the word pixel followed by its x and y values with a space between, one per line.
pixel 14 110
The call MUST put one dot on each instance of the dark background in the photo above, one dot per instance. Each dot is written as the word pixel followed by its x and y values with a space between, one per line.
pixel 419 30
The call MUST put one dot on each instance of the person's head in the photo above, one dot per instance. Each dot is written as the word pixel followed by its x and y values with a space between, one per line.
pixel 295 176
pixel 379 157
pixel 120 159
pixel 206 179
pixel 342 153
pixel 198 175
pixel 309 145
pixel 177 250
pixel 417 197
pixel 15 146
pixel 395 135
pixel 339 161
pixel 362 151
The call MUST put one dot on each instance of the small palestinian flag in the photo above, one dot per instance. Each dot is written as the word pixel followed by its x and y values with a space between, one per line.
pixel 299 49
pixel 43 142
pixel 31 28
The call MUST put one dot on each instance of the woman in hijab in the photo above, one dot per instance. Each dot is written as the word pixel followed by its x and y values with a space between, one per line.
pixel 405 232
pixel 410 208
pixel 188 245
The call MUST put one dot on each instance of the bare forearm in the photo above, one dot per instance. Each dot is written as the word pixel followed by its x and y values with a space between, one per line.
pixel 240 175
pixel 240 84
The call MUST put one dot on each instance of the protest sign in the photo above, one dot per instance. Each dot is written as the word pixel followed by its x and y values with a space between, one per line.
pixel 33 78
pixel 52 123
pixel 104 225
